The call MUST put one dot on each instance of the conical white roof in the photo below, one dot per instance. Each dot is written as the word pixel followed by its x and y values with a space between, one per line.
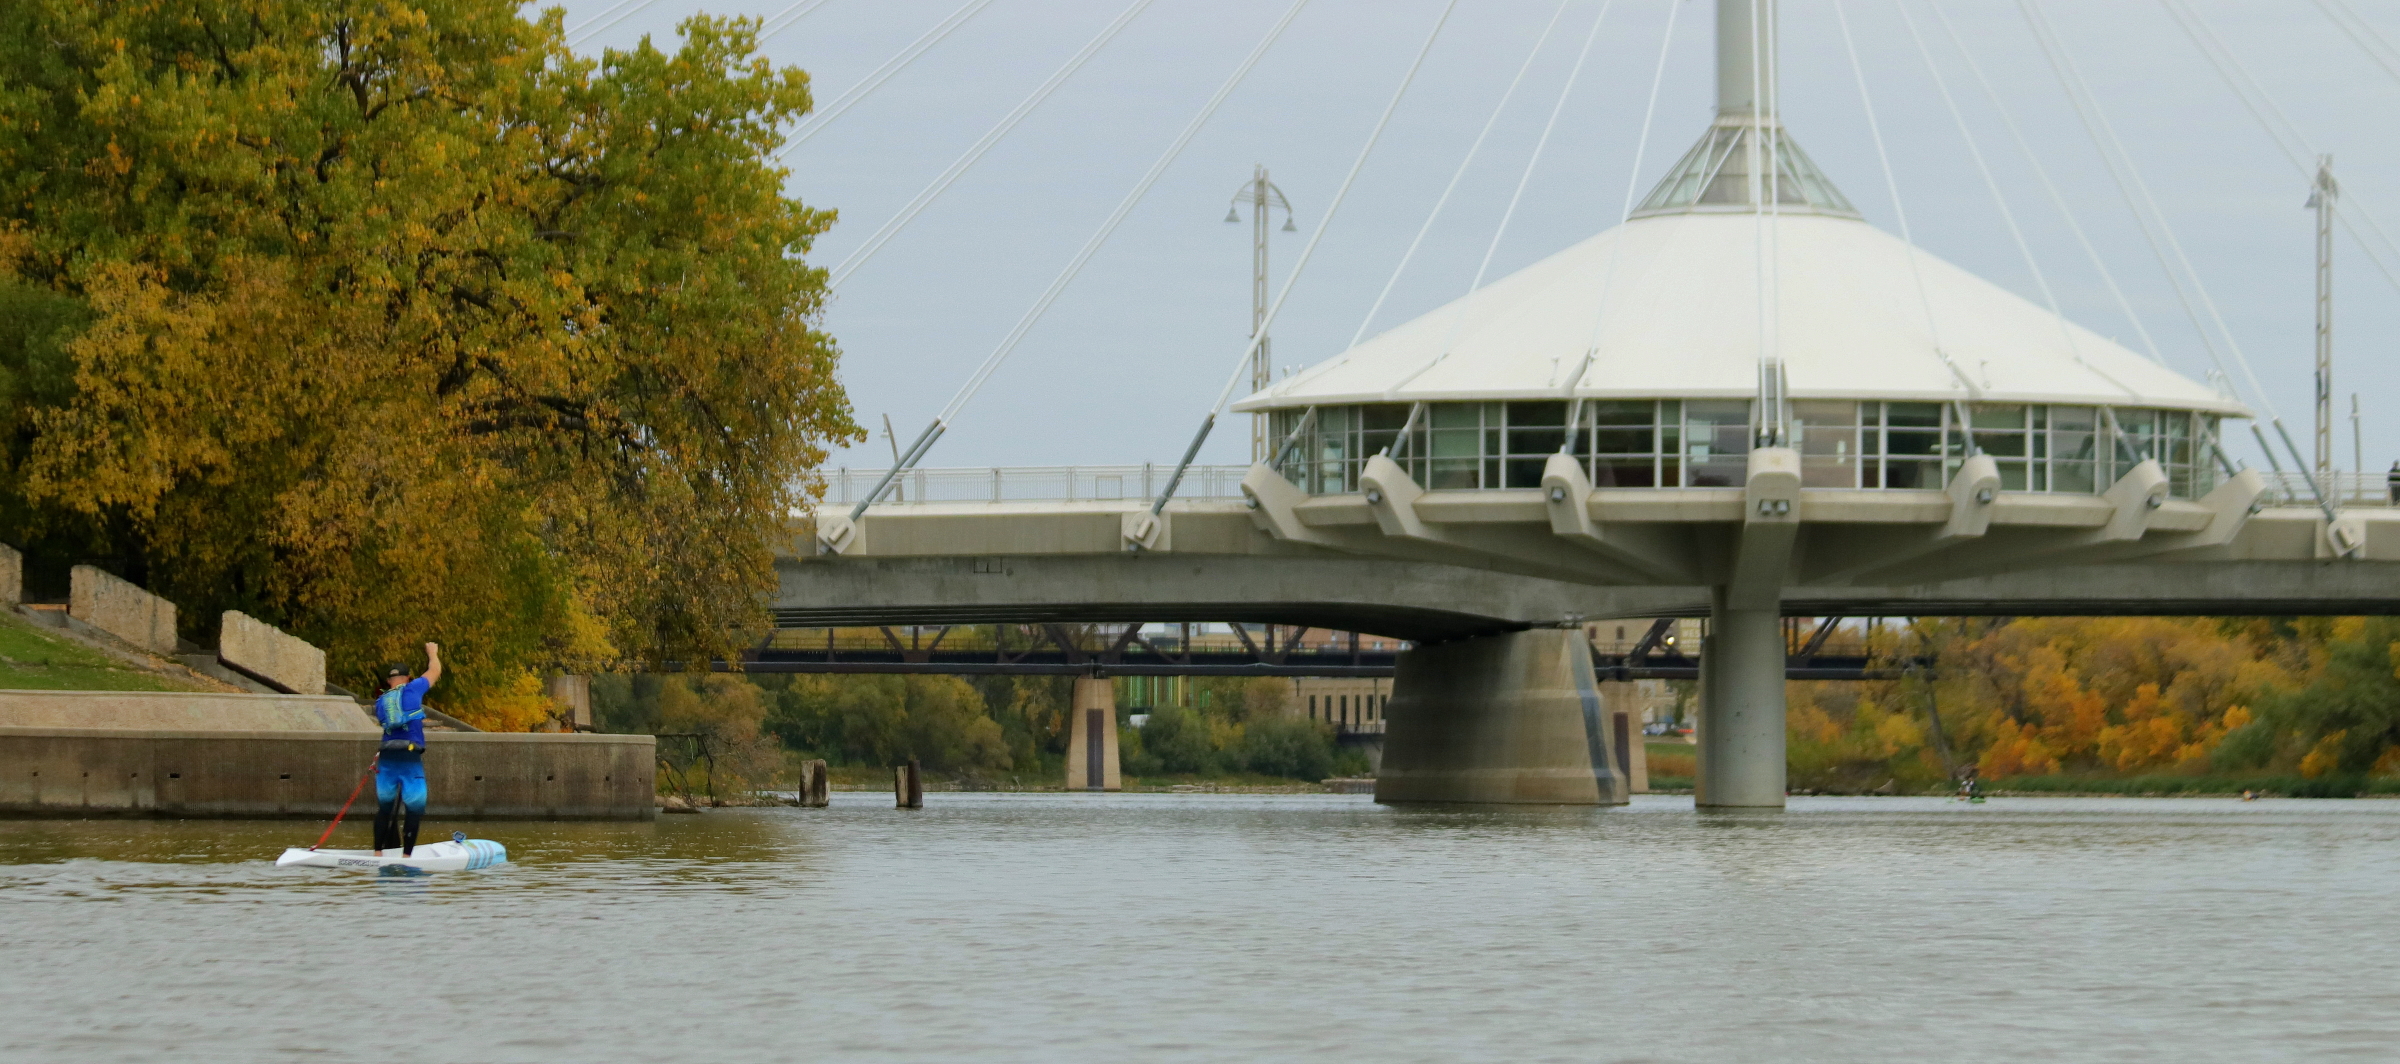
pixel 1668 306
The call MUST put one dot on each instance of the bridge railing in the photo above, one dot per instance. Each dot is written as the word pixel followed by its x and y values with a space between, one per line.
pixel 1079 483
pixel 1113 483
pixel 2349 489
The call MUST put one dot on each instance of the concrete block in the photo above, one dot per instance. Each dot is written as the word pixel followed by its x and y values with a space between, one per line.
pixel 269 654
pixel 118 608
pixel 12 577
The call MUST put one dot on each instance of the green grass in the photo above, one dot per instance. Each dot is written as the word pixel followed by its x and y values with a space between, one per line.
pixel 34 660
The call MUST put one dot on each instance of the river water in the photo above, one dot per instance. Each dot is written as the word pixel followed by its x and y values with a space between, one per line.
pixel 1234 928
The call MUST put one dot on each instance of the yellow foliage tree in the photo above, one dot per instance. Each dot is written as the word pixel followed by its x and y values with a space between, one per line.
pixel 403 322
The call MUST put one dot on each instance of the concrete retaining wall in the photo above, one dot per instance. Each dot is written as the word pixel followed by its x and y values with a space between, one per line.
pixel 270 654
pixel 183 711
pixel 118 608
pixel 115 772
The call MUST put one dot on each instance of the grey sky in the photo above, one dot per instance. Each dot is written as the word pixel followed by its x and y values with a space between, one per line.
pixel 1124 366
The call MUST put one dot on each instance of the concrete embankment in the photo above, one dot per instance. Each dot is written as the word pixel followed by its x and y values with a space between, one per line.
pixel 130 772
pixel 197 754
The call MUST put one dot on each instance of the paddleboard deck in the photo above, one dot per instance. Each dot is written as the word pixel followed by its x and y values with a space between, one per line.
pixel 460 856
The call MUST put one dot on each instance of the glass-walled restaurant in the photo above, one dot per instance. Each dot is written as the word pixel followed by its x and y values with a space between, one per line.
pixel 1695 443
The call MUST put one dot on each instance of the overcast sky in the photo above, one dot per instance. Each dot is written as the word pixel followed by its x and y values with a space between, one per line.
pixel 1124 366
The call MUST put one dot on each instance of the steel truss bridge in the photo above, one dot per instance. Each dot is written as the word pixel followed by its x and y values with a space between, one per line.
pixel 1812 653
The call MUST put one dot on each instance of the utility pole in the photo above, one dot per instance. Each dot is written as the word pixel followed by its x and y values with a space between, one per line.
pixel 1263 197
pixel 2321 199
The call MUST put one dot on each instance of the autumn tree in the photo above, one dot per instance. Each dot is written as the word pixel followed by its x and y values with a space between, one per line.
pixel 400 321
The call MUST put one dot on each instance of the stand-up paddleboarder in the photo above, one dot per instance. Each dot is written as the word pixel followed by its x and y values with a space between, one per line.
pixel 400 762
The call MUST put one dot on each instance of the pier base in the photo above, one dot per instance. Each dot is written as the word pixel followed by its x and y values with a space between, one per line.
pixel 1741 710
pixel 1092 737
pixel 1514 718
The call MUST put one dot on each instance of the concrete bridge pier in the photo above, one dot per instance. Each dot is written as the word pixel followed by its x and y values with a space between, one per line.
pixel 1514 718
pixel 1741 709
pixel 1092 737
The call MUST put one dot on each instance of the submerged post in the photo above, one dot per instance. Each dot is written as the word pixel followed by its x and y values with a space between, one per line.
pixel 908 786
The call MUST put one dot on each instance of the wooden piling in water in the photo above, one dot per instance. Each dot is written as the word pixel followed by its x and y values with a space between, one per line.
pixel 908 786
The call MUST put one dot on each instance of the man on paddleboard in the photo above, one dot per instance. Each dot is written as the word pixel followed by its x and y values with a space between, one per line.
pixel 400 763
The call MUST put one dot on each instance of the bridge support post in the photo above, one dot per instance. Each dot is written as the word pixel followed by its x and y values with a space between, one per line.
pixel 1742 709
pixel 1514 718
pixel 1092 736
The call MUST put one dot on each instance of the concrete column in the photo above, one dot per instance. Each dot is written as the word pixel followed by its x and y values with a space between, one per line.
pixel 1092 737
pixel 1514 718
pixel 1741 709
pixel 1623 701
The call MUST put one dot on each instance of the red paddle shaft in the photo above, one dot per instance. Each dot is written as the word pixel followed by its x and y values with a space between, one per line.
pixel 337 817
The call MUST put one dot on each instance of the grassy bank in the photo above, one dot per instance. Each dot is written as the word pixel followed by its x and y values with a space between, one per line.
pixel 32 659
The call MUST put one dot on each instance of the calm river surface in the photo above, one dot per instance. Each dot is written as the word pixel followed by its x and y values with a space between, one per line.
pixel 1234 928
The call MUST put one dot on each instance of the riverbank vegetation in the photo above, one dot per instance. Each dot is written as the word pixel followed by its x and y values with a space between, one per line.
pixel 398 322
pixel 982 731
pixel 2113 705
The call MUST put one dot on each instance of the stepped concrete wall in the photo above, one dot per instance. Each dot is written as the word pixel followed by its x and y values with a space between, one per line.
pixel 270 654
pixel 128 772
pixel 118 608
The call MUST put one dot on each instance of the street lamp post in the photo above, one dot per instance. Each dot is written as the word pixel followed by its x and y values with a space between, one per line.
pixel 1263 197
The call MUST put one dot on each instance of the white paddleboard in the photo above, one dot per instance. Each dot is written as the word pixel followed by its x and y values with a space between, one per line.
pixel 458 856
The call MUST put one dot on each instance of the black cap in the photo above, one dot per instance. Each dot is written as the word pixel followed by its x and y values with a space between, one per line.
pixel 390 671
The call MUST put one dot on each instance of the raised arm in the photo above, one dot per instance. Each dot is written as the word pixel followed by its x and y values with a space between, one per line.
pixel 433 664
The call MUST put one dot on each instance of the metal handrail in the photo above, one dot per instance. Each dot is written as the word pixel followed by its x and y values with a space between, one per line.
pixel 2287 488
pixel 1077 483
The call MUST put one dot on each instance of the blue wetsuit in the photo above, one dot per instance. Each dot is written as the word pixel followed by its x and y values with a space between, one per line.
pixel 400 766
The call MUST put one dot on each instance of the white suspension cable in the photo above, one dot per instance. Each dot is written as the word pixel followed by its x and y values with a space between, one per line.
pixel 2155 230
pixel 1633 188
pixel 583 35
pixel 1641 145
pixel 2096 123
pixel 959 167
pixel 1460 173
pixel 1542 144
pixel 612 9
pixel 1882 157
pixel 1258 336
pixel 2032 264
pixel 2363 34
pixel 2281 129
pixel 897 63
pixel 799 10
pixel 941 422
pixel 2057 198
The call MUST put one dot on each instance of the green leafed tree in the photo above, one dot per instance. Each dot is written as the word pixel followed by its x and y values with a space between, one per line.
pixel 399 321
